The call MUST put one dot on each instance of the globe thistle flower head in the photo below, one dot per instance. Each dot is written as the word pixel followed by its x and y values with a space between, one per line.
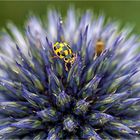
pixel 94 96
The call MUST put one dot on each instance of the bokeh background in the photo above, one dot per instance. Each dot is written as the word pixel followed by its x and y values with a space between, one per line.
pixel 124 11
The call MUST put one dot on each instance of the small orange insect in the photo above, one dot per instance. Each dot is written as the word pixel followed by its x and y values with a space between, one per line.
pixel 99 48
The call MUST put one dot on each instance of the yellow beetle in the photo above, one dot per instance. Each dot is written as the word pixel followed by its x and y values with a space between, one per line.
pixel 63 51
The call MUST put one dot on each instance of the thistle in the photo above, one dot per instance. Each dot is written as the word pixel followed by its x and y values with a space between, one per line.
pixel 97 97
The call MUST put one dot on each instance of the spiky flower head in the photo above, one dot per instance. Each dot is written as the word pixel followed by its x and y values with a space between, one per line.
pixel 96 98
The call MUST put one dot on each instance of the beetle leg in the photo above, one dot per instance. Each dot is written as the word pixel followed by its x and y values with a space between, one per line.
pixel 66 68
pixel 54 57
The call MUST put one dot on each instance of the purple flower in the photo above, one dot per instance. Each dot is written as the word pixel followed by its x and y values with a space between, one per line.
pixel 96 98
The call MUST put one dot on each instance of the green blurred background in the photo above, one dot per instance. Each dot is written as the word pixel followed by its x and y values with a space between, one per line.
pixel 124 11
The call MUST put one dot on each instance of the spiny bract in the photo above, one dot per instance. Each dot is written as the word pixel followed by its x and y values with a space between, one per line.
pixel 97 98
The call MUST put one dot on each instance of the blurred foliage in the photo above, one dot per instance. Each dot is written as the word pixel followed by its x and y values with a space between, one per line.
pixel 17 11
